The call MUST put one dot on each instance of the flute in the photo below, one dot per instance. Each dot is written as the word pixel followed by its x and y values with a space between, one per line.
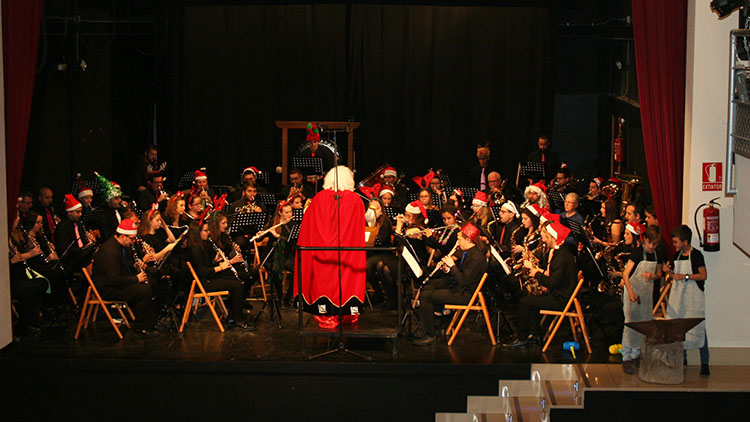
pixel 263 233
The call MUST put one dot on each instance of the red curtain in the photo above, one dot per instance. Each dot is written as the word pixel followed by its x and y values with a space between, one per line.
pixel 21 22
pixel 659 29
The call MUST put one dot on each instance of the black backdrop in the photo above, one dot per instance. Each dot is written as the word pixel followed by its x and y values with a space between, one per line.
pixel 427 84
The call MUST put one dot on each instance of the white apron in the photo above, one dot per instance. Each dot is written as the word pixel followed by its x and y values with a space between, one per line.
pixel 634 311
pixel 686 300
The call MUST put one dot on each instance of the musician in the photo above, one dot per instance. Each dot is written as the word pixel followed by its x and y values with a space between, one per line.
pixel 643 267
pixel 386 196
pixel 71 236
pixel 482 215
pixel 650 216
pixel 556 274
pixel 465 270
pixel 425 197
pixel 200 187
pixel 437 188
pixel 153 194
pixel 571 214
pixel 116 277
pixel 174 214
pixel 146 164
pixel 25 287
pixel 595 189
pixel 111 215
pixel 194 207
pixel 535 194
pixel 41 256
pixel 248 174
pixel 45 208
pixel 25 202
pixel 478 174
pixel 313 149
pixel 297 184
pixel 613 226
pixel 214 271
pixel 155 232
pixel 298 201
pixel 687 298
pixel 510 229
pixel 282 258
pixel 444 239
pixel 634 213
pixel 399 191
pixel 85 196
pixel 544 154
pixel 218 223
pixel 248 202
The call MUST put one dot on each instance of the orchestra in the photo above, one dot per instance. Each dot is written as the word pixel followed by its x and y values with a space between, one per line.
pixel 140 248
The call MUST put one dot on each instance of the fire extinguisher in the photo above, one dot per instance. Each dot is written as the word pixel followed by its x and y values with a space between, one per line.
pixel 710 239
pixel 618 148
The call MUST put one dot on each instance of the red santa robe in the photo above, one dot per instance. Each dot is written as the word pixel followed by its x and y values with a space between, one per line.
pixel 320 269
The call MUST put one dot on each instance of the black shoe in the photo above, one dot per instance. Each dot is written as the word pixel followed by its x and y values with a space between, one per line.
pixel 628 367
pixel 246 326
pixel 517 344
pixel 424 340
pixel 705 372
pixel 533 339
pixel 246 305
pixel 146 332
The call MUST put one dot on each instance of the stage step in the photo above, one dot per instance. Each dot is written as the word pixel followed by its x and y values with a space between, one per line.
pixel 520 409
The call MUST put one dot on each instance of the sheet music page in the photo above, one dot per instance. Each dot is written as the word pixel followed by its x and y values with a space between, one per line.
pixel 500 260
pixel 412 262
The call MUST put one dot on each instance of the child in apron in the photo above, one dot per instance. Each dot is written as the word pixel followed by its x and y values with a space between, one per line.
pixel 687 299
pixel 640 271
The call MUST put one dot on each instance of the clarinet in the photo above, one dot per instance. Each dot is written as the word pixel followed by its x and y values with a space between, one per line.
pixel 224 258
pixel 15 251
pixel 35 244
pixel 239 251
pixel 138 263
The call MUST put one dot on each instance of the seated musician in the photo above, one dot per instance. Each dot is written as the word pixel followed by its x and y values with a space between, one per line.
pixel 248 202
pixel 214 271
pixel 556 274
pixel 386 196
pixel 571 214
pixel 595 189
pixel 39 255
pixel 544 154
pixel 110 217
pixel 298 201
pixel 313 149
pixel 456 198
pixel 282 250
pixel 510 226
pixel 156 234
pixel 425 197
pixel 464 271
pixel 482 216
pixel 611 231
pixel 71 236
pixel 442 240
pixel 398 190
pixel 248 174
pixel 380 230
pixel 499 190
pixel 46 209
pixel 437 188
pixel 218 223
pixel 25 203
pixel 297 184
pixel 634 213
pixel 194 205
pixel 116 277
pixel 174 214
pixel 26 288
pixel 201 188
pixel 153 194
pixel 86 196
pixel 534 194
pixel 478 174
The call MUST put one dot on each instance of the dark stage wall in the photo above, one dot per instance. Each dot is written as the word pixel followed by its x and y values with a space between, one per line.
pixel 426 83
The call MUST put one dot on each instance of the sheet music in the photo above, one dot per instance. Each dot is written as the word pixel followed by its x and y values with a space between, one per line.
pixel 412 262
pixel 500 259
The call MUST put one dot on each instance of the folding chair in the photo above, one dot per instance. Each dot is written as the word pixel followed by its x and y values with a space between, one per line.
pixel 471 306
pixel 209 297
pixel 576 318
pixel 661 304
pixel 93 301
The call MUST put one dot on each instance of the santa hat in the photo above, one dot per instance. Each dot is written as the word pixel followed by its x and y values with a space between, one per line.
pixel 479 199
pixel 598 181
pixel 471 231
pixel 127 227
pixel 535 209
pixel 385 190
pixel 417 207
pixel 559 232
pixel 71 203
pixel 537 187
pixel 199 175
pixel 548 216
pixel 83 188
pixel 636 228
pixel 510 206
pixel 389 171
pixel 252 170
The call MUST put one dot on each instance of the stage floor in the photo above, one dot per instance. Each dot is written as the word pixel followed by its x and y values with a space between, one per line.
pixel 202 341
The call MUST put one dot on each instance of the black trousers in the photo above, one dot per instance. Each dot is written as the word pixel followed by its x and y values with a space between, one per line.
pixel 140 298
pixel 236 293
pixel 435 293
pixel 29 293
pixel 528 312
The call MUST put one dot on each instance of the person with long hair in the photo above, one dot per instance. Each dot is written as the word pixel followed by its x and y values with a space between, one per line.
pixel 218 224
pixel 425 197
pixel 282 249
pixel 43 256
pixel 174 214
pixel 214 271
pixel 613 225
pixel 380 230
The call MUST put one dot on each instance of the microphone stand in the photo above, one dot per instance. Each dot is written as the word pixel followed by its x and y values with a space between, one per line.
pixel 340 347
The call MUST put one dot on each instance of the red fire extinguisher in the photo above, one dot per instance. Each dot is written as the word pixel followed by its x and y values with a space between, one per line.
pixel 710 239
pixel 618 148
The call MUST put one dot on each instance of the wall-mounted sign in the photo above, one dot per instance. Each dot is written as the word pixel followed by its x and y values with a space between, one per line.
pixel 712 176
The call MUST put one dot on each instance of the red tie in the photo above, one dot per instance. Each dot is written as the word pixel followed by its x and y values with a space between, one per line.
pixel 50 223
pixel 502 235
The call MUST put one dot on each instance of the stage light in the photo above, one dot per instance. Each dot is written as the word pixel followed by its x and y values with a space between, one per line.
pixel 724 8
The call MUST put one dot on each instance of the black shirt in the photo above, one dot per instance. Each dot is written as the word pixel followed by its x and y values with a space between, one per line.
pixel 696 262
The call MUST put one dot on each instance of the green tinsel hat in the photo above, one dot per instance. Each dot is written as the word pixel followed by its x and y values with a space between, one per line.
pixel 109 190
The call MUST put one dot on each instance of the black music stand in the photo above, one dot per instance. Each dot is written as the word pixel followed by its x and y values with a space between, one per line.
pixel 308 165
pixel 186 180
pixel 445 178
pixel 264 177
pixel 93 184
pixel 533 170
pixel 297 216
pixel 391 213
pixel 468 192
pixel 91 219
pixel 268 200
pixel 579 234
pixel 247 222
pixel 556 199
pixel 434 217
pixel 495 209
pixel 408 314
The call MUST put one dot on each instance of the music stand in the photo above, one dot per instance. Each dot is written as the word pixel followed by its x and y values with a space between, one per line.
pixel 91 219
pixel 468 192
pixel 579 234
pixel 435 218
pixel 247 223
pixel 93 184
pixel 267 199
pixel 533 170
pixel 391 213
pixel 556 199
pixel 297 216
pixel 186 180
pixel 308 165
pixel 264 177
pixel 445 178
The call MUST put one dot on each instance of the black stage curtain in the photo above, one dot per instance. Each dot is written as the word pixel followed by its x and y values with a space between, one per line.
pixel 427 83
